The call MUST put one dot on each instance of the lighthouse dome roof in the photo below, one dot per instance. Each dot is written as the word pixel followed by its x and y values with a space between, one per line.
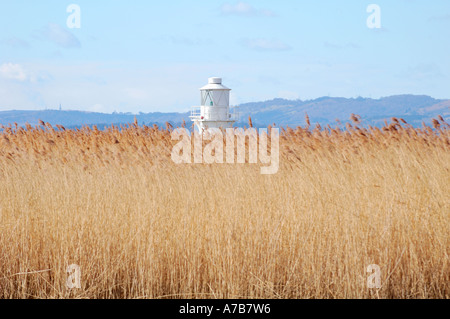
pixel 215 84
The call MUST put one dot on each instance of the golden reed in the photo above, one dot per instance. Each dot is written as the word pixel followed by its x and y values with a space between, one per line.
pixel 139 226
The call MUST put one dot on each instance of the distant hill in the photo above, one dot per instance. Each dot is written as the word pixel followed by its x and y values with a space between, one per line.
pixel 412 108
pixel 325 110
pixel 71 119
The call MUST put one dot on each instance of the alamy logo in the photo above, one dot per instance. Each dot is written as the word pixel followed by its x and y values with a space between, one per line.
pixel 374 280
pixel 213 152
pixel 374 20
pixel 74 19
pixel 74 279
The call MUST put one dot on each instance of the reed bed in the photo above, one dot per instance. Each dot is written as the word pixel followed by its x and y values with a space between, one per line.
pixel 140 226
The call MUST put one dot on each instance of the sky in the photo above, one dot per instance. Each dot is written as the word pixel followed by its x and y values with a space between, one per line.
pixel 153 56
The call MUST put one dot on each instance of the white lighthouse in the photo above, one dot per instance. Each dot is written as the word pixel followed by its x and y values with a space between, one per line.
pixel 214 110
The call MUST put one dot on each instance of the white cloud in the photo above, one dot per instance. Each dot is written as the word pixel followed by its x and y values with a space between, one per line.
pixel 245 9
pixel 241 8
pixel 265 44
pixel 13 72
pixel 60 36
pixel 17 72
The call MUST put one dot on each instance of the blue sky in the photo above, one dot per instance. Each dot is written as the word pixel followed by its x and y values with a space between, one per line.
pixel 144 56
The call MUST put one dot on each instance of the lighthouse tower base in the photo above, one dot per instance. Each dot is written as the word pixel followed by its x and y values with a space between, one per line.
pixel 204 125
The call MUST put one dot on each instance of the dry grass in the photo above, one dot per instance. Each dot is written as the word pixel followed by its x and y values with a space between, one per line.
pixel 140 226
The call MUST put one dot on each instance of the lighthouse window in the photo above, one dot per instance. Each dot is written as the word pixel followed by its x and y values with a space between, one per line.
pixel 208 98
